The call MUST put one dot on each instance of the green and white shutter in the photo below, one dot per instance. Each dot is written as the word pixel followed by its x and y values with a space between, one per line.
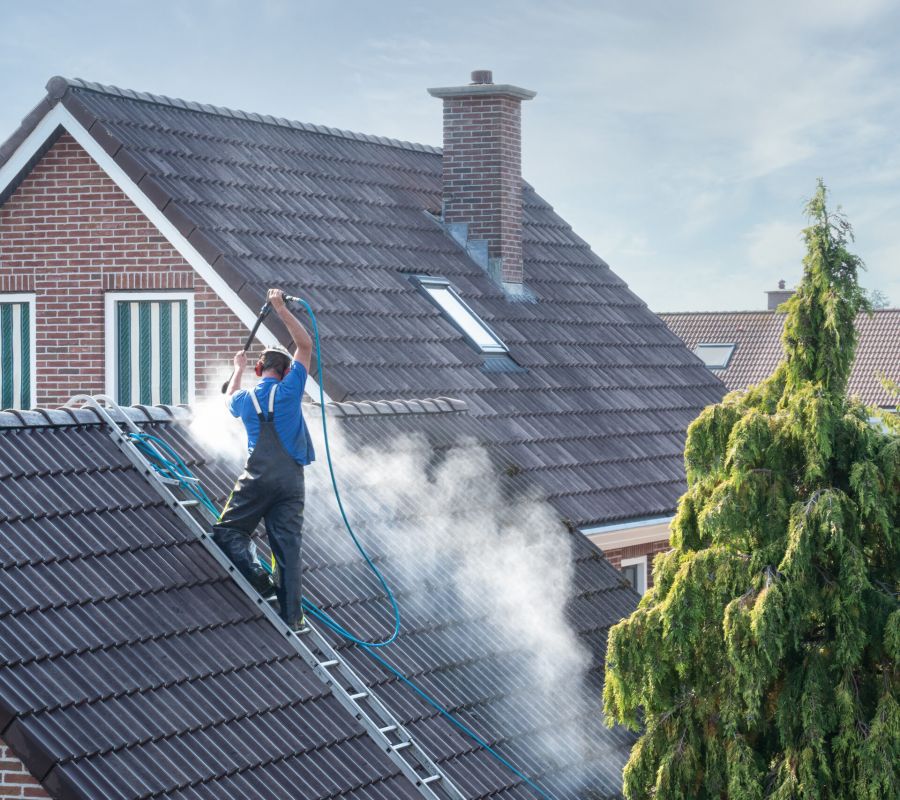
pixel 153 361
pixel 16 353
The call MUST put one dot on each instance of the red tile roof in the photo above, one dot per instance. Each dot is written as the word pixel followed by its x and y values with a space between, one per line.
pixel 757 335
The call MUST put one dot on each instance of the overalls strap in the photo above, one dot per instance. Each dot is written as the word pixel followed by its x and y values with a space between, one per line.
pixel 256 405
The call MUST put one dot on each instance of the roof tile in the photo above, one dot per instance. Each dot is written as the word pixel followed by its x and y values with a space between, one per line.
pixel 758 351
pixel 106 578
pixel 338 217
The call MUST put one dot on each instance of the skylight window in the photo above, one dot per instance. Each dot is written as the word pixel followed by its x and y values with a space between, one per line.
pixel 473 327
pixel 715 356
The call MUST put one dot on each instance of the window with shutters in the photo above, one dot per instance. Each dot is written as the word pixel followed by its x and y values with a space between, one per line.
pixel 17 371
pixel 150 347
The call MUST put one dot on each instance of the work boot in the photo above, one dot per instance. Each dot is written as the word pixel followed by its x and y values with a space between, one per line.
pixel 299 625
pixel 261 581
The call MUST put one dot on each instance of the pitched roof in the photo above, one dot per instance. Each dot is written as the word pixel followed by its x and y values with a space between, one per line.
pixel 598 415
pixel 757 336
pixel 120 636
pixel 132 666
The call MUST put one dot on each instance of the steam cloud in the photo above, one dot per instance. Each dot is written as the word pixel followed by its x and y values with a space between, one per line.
pixel 449 535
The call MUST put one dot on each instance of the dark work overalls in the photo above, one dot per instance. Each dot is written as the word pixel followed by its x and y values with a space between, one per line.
pixel 271 488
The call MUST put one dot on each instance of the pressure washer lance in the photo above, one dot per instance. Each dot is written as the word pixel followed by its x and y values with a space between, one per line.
pixel 263 313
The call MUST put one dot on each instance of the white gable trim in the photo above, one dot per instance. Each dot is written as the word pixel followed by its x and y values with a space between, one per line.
pixel 29 148
pixel 59 116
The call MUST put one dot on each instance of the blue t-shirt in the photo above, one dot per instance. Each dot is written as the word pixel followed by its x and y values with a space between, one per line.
pixel 289 424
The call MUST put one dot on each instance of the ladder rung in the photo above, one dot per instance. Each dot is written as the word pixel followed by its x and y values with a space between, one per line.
pixel 307 629
pixel 359 696
pixel 388 728
pixel 431 779
pixel 327 664
pixel 401 745
pixel 188 503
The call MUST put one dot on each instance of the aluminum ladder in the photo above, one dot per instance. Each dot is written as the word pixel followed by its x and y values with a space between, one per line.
pixel 326 663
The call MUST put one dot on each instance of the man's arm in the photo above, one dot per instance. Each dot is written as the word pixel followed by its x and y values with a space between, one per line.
pixel 240 363
pixel 302 341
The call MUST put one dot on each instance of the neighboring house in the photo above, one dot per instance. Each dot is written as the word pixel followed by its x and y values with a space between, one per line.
pixel 132 666
pixel 744 347
pixel 138 235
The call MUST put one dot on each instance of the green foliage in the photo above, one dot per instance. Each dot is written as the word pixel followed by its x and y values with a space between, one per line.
pixel 763 663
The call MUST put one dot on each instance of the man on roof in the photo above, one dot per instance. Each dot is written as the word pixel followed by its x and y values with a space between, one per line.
pixel 271 486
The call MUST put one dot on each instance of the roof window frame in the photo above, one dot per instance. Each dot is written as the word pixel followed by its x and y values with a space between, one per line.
pixel 424 282
pixel 727 360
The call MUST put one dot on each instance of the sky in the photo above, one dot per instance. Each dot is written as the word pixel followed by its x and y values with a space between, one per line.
pixel 680 140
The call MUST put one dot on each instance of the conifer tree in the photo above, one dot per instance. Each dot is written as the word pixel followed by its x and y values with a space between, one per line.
pixel 763 663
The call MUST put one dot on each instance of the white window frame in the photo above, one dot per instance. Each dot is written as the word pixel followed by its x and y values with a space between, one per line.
pixel 641 563
pixel 112 340
pixel 732 345
pixel 426 281
pixel 31 299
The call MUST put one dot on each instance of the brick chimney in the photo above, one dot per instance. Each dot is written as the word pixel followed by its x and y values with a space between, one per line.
pixel 482 169
pixel 777 296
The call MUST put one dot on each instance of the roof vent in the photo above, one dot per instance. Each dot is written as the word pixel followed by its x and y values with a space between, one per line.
pixel 481 76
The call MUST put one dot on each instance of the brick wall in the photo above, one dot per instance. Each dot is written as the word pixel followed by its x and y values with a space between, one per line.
pixel 15 780
pixel 69 234
pixel 649 549
pixel 482 173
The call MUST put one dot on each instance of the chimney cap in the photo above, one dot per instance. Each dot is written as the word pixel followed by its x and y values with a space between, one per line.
pixel 781 284
pixel 482 83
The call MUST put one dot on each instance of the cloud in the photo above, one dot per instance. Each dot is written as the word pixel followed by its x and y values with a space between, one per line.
pixel 663 134
pixel 776 249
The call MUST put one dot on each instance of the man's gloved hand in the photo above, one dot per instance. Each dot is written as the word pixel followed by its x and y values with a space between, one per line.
pixel 276 298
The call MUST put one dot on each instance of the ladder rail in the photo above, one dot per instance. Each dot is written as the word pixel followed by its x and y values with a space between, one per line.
pixel 331 668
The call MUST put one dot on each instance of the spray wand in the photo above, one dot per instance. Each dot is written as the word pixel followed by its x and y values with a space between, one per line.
pixel 263 313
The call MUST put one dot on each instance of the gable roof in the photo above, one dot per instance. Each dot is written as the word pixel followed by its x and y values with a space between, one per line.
pixel 758 351
pixel 597 417
pixel 133 667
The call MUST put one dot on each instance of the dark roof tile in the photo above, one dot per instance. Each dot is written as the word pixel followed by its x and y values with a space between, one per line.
pixel 341 218
pixel 120 634
pixel 133 666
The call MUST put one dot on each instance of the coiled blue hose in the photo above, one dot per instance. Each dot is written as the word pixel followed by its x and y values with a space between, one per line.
pixel 163 458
